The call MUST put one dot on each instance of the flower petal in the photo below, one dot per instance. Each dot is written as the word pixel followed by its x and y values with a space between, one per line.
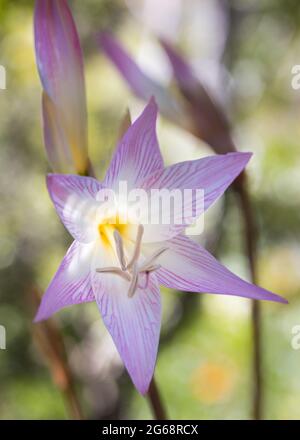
pixel 58 151
pixel 211 174
pixel 74 198
pixel 210 122
pixel 133 323
pixel 140 84
pixel 182 70
pixel 59 58
pixel 187 266
pixel 137 154
pixel 71 283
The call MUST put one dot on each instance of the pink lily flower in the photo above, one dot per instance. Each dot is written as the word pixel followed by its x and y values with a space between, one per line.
pixel 120 266
pixel 197 112
pixel 60 65
pixel 141 84
pixel 210 122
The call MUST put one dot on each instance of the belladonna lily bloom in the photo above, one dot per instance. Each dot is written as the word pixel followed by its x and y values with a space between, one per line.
pixel 121 265
pixel 197 112
pixel 141 84
pixel 60 66
pixel 210 122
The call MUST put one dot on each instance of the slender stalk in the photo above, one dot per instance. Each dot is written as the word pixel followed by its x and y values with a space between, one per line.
pixel 50 342
pixel 235 19
pixel 155 401
pixel 251 235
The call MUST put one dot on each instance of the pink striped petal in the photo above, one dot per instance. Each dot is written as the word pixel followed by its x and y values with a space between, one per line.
pixel 71 283
pixel 60 65
pixel 211 174
pixel 210 122
pixel 74 198
pixel 187 266
pixel 140 84
pixel 133 323
pixel 137 154
pixel 183 72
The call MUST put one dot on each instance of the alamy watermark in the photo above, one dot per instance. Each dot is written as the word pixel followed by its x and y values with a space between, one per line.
pixel 295 341
pixel 2 338
pixel 2 78
pixel 295 77
pixel 154 206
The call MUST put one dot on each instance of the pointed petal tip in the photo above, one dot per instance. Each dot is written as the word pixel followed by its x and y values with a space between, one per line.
pixel 269 296
pixel 242 158
pixel 144 390
pixel 261 294
pixel 142 386
pixel 152 106
pixel 50 179
pixel 280 299
pixel 42 313
pixel 152 101
pixel 40 316
pixel 247 155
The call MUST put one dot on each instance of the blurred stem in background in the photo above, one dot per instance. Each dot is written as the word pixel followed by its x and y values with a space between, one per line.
pixel 49 340
pixel 250 234
pixel 235 17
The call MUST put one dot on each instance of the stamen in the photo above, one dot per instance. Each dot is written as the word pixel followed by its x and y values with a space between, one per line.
pixel 120 249
pixel 153 268
pixel 150 260
pixel 137 247
pixel 115 270
pixel 134 282
pixel 131 272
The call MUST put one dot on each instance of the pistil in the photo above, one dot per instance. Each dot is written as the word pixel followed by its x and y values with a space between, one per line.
pixel 130 271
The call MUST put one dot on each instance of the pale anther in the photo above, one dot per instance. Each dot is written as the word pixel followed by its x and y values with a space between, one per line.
pixel 150 260
pixel 134 282
pixel 120 249
pixel 153 268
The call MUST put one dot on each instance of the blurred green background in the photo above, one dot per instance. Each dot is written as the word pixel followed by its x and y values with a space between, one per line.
pixel 244 51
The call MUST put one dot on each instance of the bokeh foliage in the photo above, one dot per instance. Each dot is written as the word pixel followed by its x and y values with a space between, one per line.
pixel 204 359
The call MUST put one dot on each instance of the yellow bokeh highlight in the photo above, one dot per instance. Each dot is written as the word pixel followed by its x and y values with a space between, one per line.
pixel 212 382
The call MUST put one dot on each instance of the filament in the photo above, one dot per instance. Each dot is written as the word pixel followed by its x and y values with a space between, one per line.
pixel 125 275
pixel 137 247
pixel 150 260
pixel 120 249
pixel 131 272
